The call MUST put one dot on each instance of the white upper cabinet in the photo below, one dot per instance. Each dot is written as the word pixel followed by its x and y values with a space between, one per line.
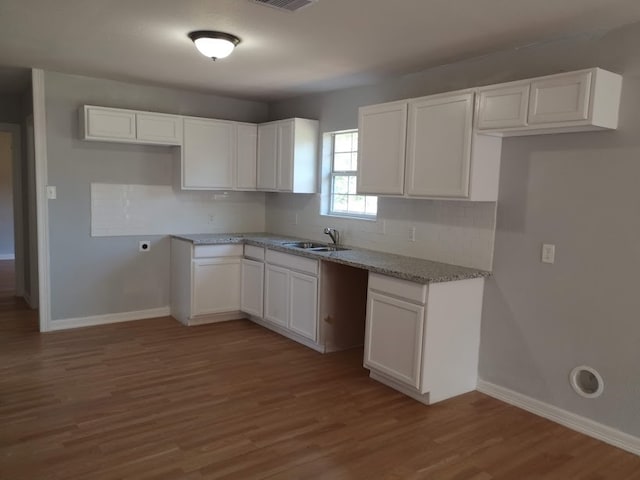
pixel 208 154
pixel 505 106
pixel 108 124
pixel 561 98
pixel 426 148
pixel 129 126
pixel 382 131
pixel 438 156
pixel 567 102
pixel 287 155
pixel 159 128
pixel 246 148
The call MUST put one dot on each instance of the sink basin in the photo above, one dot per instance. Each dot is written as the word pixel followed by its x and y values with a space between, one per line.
pixel 329 248
pixel 304 245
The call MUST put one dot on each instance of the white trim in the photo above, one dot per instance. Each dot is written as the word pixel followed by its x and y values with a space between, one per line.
pixel 570 420
pixel 109 318
pixel 7 256
pixel 286 333
pixel 42 206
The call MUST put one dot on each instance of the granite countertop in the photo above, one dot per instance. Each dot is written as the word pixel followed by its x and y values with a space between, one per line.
pixel 399 266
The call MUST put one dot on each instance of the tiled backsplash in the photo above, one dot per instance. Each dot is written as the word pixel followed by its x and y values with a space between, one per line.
pixel 118 210
pixel 455 232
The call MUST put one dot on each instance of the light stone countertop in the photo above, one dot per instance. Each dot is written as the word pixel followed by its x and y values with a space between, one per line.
pixel 399 266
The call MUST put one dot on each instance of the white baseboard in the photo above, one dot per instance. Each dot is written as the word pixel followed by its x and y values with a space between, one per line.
pixel 570 420
pixel 109 318
pixel 7 256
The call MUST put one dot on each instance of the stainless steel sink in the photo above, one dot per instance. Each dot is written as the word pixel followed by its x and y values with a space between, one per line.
pixel 315 247
pixel 329 248
pixel 304 245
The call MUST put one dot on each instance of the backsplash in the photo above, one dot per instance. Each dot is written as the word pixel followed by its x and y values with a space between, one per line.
pixel 461 233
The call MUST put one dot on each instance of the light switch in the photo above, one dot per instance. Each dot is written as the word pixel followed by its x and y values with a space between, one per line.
pixel 52 193
pixel 548 253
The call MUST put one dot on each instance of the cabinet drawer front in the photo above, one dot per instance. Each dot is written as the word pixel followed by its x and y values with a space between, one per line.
pixel 203 251
pixel 156 127
pixel 110 123
pixel 564 98
pixel 415 292
pixel 503 107
pixel 293 262
pixel 394 338
pixel 254 252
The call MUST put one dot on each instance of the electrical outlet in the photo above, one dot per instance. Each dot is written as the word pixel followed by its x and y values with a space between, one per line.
pixel 144 246
pixel 52 192
pixel 548 253
pixel 296 219
pixel 412 234
pixel 212 219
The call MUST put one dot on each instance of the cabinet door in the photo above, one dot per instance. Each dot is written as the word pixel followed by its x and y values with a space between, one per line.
pixel 382 131
pixel 251 291
pixel 393 338
pixel 208 154
pixel 159 128
pixel 303 304
pixel 247 148
pixel 503 107
pixel 216 285
pixel 286 139
pixel 439 146
pixel 109 124
pixel 267 156
pixel 276 293
pixel 561 98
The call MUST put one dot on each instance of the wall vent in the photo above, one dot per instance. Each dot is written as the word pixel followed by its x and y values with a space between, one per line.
pixel 287 5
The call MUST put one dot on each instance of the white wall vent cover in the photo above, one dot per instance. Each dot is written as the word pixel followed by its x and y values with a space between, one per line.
pixel 288 5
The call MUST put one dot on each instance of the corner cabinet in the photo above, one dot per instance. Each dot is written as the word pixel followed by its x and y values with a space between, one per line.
pixel 426 148
pixel 423 340
pixel 287 156
pixel 567 102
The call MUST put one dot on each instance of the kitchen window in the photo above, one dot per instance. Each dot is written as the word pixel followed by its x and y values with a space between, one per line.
pixel 344 200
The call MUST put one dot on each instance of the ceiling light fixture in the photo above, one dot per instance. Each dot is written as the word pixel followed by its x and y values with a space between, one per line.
pixel 214 44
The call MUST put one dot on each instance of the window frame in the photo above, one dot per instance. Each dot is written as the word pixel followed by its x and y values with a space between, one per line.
pixel 345 173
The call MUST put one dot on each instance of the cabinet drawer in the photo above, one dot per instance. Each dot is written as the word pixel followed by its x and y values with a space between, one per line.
pixel 254 252
pixel 415 292
pixel 203 251
pixel 293 262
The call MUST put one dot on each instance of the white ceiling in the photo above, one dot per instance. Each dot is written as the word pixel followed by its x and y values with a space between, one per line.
pixel 328 45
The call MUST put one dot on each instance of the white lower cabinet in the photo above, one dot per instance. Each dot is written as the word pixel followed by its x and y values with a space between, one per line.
pixel 276 294
pixel 252 287
pixel 291 294
pixel 423 340
pixel 216 284
pixel 303 304
pixel 205 282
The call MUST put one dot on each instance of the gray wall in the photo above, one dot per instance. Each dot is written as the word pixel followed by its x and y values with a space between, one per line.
pixel 6 194
pixel 94 276
pixel 578 191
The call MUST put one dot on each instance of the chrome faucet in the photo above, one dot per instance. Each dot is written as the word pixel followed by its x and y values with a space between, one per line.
pixel 334 234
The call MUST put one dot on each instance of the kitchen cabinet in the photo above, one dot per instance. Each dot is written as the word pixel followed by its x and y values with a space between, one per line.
pixel 423 340
pixel 246 151
pixel 208 154
pixel 426 148
pixel 252 288
pixel 382 131
pixel 578 101
pixel 291 294
pixel 205 282
pixel 129 126
pixel 287 156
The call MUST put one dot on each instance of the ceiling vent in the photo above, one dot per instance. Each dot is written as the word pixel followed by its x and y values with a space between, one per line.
pixel 287 5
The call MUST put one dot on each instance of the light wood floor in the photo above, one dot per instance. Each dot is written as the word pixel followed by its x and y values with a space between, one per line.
pixel 155 400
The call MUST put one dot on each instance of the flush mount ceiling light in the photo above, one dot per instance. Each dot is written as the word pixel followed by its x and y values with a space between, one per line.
pixel 214 44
